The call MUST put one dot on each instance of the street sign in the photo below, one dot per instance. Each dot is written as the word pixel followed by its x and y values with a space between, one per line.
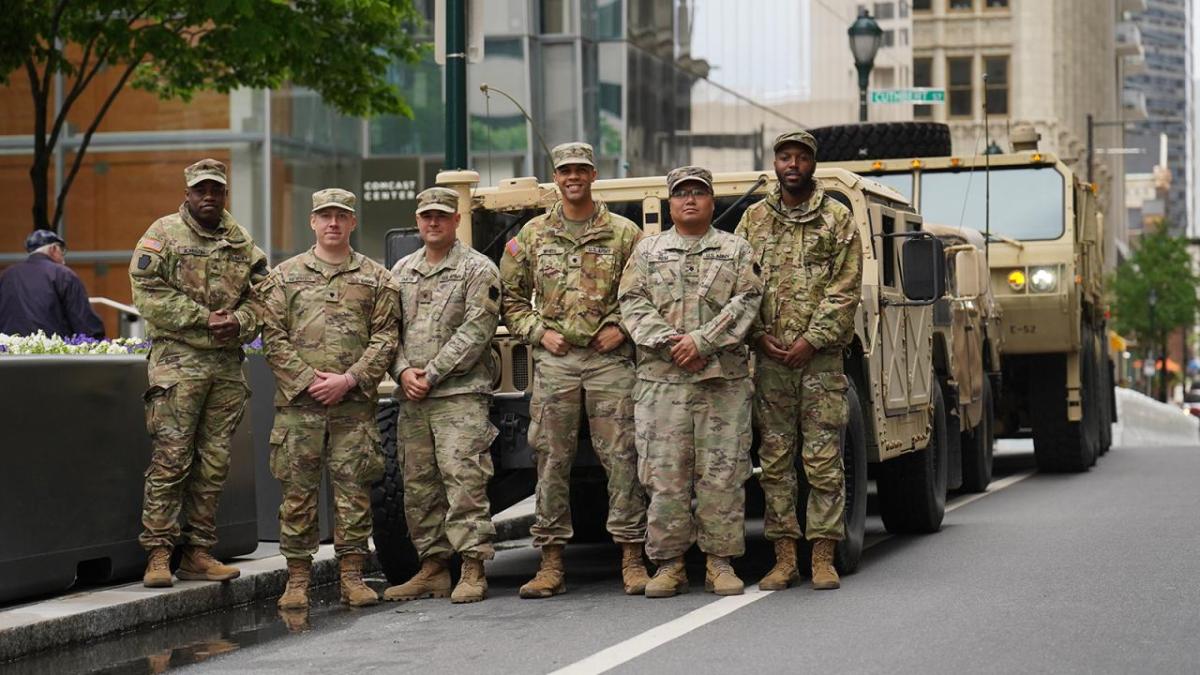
pixel 924 95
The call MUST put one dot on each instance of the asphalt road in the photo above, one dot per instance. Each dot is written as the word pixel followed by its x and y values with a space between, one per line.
pixel 1081 573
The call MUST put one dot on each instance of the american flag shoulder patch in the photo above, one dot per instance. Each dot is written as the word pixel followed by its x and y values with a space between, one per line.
pixel 151 244
pixel 513 247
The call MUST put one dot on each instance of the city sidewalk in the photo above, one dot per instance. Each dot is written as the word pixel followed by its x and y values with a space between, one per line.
pixel 86 615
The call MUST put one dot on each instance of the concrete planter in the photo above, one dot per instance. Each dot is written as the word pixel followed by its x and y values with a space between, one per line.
pixel 75 450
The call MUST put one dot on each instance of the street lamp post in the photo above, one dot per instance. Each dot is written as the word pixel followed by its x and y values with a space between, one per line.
pixel 865 38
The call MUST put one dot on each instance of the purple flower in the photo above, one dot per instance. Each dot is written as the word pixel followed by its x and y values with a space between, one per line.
pixel 255 345
pixel 3 348
pixel 80 339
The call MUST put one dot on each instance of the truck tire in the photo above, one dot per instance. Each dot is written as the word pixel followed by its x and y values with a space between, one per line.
pixel 978 446
pixel 1106 400
pixel 394 548
pixel 912 487
pixel 1061 446
pixel 589 509
pixel 882 140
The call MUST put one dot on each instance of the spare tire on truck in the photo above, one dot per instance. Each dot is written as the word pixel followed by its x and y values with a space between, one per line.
pixel 881 140
pixel 395 550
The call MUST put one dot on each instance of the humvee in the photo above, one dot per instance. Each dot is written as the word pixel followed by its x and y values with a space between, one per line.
pixel 898 419
pixel 1046 258
pixel 966 355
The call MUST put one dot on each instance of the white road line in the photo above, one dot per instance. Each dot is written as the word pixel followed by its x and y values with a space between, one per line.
pixel 996 486
pixel 637 645
pixel 623 652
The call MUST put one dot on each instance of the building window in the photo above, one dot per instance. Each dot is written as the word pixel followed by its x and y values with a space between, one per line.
pixel 902 34
pixel 556 16
pixel 996 96
pixel 996 4
pixel 889 39
pixel 962 5
pixel 903 9
pixel 959 92
pixel 885 10
pixel 922 77
pixel 922 5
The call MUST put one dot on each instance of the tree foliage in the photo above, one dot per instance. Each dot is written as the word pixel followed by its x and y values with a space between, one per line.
pixel 342 49
pixel 1160 263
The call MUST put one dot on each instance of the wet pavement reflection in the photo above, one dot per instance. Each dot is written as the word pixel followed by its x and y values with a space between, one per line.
pixel 158 649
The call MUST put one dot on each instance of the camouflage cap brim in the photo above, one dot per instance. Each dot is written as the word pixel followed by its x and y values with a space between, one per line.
pixel 332 205
pixel 207 175
pixel 436 207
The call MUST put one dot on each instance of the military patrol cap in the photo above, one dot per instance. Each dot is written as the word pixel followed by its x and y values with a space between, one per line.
pixel 572 153
pixel 800 136
pixel 336 197
pixel 39 238
pixel 689 173
pixel 205 169
pixel 437 199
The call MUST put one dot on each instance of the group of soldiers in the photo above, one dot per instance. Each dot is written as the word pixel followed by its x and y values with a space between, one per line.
pixel 649 336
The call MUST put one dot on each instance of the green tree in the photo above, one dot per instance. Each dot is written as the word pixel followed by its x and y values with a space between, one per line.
pixel 341 49
pixel 1154 291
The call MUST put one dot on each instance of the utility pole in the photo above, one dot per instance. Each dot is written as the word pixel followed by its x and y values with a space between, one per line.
pixel 456 85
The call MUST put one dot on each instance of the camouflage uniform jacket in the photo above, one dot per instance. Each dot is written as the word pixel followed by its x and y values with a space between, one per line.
pixel 811 260
pixel 449 311
pixel 553 281
pixel 344 321
pixel 180 272
pixel 708 289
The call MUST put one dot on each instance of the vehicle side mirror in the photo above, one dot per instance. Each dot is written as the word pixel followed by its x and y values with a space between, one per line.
pixel 966 273
pixel 923 267
pixel 399 243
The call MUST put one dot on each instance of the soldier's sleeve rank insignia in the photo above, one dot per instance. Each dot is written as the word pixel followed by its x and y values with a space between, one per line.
pixel 151 244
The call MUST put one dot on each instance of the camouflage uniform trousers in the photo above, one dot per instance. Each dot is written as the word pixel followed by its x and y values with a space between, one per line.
pixel 343 438
pixel 604 382
pixel 693 440
pixel 446 445
pixel 816 396
pixel 195 401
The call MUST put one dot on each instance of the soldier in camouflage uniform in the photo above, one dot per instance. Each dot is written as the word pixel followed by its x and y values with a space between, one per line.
pixel 330 331
pixel 450 305
pixel 559 278
pixel 688 298
pixel 191 275
pixel 808 247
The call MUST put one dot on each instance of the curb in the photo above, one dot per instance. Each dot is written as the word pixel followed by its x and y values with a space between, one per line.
pixel 90 615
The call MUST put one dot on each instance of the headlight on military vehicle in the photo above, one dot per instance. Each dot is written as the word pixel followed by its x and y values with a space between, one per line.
pixel 1016 280
pixel 1043 279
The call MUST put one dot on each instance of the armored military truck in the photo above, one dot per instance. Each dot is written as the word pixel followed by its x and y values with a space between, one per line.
pixel 1046 258
pixel 966 355
pixel 897 428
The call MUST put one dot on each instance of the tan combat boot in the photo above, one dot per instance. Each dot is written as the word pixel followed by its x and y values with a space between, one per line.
pixel 158 568
pixel 472 584
pixel 633 569
pixel 431 581
pixel 295 596
pixel 785 572
pixel 720 578
pixel 354 592
pixel 550 579
pixel 670 579
pixel 198 564
pixel 824 576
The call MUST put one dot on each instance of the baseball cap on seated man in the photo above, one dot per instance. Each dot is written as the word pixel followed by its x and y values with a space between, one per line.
pixel 39 238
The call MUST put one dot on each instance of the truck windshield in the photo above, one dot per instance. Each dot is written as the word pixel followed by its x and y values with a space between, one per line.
pixel 1027 202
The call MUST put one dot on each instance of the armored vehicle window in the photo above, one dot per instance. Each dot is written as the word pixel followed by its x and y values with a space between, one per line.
pixel 900 182
pixel 1027 202
pixel 490 230
pixel 888 226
